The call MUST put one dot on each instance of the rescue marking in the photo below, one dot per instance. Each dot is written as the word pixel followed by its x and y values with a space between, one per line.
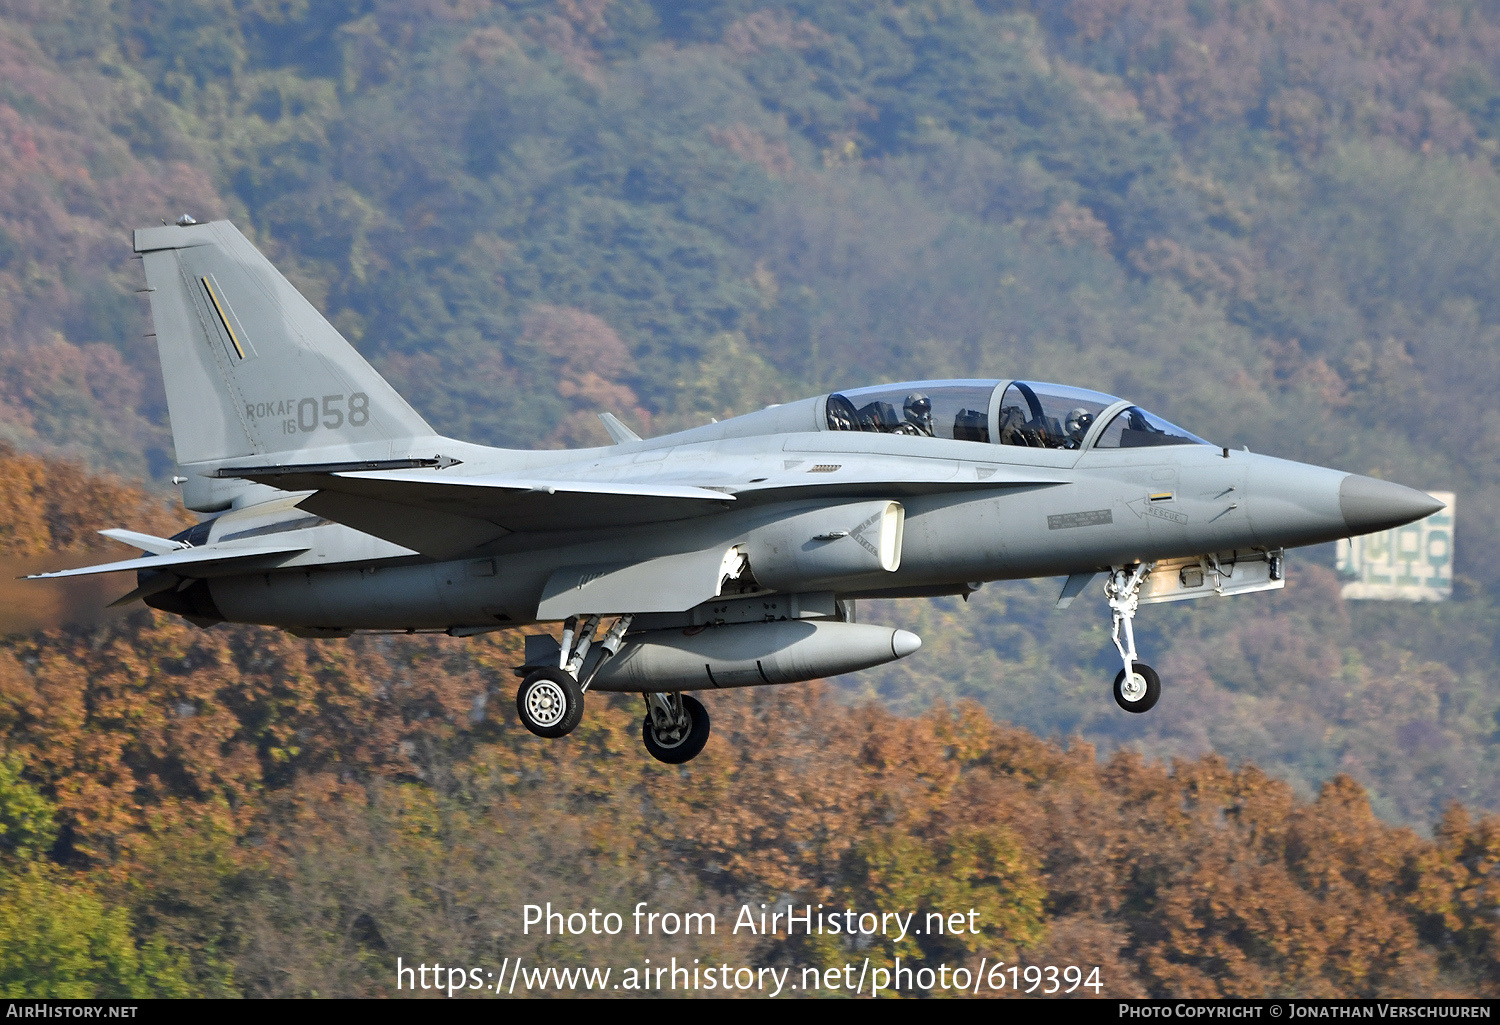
pixel 1166 514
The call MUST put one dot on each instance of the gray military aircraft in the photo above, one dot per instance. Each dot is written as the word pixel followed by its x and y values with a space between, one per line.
pixel 729 555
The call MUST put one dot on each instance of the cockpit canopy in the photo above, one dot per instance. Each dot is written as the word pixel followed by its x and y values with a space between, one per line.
pixel 1033 415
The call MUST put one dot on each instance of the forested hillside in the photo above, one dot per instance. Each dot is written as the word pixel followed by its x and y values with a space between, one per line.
pixel 1276 222
pixel 237 811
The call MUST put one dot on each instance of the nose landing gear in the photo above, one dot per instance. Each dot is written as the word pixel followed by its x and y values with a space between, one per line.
pixel 1137 687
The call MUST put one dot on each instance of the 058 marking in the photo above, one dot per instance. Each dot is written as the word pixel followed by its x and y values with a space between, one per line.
pixel 308 414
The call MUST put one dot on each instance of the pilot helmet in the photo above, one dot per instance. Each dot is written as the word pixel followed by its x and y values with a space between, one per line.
pixel 1077 423
pixel 919 409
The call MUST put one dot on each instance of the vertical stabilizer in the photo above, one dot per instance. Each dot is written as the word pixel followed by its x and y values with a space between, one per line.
pixel 251 368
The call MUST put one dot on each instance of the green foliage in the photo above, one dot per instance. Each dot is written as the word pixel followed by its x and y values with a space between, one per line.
pixel 59 940
pixel 852 192
pixel 27 829
pixel 1299 682
pixel 59 937
pixel 981 870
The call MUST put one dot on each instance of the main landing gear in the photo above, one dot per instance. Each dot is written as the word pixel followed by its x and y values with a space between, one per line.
pixel 676 727
pixel 1137 687
pixel 550 699
pixel 550 703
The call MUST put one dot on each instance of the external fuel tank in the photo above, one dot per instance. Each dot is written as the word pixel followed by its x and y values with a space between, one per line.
pixel 750 654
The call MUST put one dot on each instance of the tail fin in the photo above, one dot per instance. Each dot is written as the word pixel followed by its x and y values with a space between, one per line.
pixel 251 368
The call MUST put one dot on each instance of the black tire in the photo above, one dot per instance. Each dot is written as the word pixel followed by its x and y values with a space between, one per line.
pixel 686 749
pixel 550 703
pixel 1146 701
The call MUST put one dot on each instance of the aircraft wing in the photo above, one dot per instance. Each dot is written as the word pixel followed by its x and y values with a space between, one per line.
pixel 455 514
pixel 516 504
pixel 824 474
pixel 442 515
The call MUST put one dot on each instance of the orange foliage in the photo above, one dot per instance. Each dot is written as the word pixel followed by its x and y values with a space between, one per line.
pixel 49 506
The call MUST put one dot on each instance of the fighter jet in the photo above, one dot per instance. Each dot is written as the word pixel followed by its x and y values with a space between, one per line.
pixel 729 555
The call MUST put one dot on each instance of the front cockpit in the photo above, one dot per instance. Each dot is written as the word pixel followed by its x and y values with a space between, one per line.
pixel 1021 413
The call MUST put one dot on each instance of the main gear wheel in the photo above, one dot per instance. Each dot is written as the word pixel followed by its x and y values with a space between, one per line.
pixel 550 703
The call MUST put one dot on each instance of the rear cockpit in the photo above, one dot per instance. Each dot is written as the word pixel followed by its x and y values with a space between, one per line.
pixel 1021 413
pixel 956 410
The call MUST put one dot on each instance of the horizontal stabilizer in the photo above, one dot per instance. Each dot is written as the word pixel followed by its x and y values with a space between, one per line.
pixel 195 559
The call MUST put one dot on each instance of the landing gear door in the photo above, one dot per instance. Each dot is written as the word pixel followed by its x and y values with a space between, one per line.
pixel 1222 573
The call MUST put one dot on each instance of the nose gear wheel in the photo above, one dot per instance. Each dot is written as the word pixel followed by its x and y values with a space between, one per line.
pixel 1140 690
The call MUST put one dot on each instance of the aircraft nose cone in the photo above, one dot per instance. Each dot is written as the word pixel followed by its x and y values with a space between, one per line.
pixel 1369 505
pixel 904 642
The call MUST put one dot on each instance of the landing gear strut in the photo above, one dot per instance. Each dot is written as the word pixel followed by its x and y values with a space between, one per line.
pixel 550 700
pixel 676 727
pixel 1137 687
